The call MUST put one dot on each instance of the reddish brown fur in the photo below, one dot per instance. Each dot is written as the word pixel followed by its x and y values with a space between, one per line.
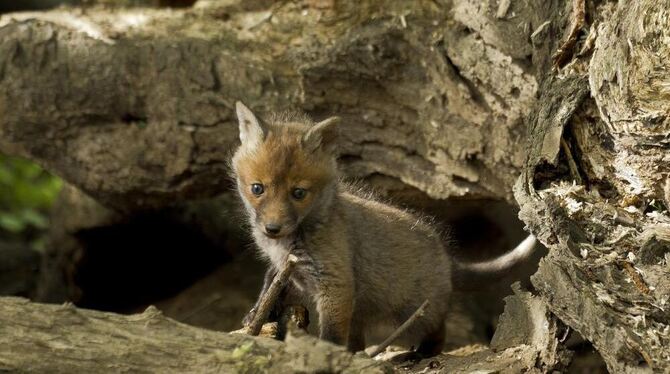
pixel 281 165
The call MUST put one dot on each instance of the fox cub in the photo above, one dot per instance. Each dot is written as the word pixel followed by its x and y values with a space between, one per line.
pixel 361 262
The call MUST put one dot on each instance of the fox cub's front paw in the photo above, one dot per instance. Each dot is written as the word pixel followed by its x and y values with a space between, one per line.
pixel 246 321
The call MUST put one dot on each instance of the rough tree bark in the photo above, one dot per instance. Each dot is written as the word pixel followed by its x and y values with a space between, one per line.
pixel 146 96
pixel 593 188
pixel 64 339
pixel 135 108
pixel 84 341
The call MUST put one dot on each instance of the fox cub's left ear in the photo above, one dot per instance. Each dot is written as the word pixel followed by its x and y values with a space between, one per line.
pixel 323 134
pixel 252 132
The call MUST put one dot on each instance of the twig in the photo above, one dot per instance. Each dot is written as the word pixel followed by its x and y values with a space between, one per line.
pixel 418 314
pixel 574 171
pixel 270 296
pixel 666 192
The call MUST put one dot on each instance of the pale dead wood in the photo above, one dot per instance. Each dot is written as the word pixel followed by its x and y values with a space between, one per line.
pixel 666 192
pixel 400 330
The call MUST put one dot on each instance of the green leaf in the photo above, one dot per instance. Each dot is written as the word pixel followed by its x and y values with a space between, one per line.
pixel 27 193
pixel 11 223
pixel 34 218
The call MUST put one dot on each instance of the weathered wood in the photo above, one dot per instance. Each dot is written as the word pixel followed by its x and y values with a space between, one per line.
pixel 565 52
pixel 527 322
pixel 135 106
pixel 45 338
pixel 63 339
pixel 600 216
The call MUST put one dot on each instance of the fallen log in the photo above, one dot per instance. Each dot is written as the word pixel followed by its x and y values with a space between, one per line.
pixel 47 338
pixel 63 339
pixel 135 106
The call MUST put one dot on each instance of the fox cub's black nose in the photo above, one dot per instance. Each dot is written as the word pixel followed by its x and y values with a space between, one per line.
pixel 272 228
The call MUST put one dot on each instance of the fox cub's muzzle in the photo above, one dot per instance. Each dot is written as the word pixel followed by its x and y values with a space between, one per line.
pixel 276 219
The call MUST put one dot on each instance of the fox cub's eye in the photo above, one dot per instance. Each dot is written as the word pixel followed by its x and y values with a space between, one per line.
pixel 257 189
pixel 299 193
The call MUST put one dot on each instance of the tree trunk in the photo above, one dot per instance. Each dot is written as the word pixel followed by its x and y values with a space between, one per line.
pixel 593 188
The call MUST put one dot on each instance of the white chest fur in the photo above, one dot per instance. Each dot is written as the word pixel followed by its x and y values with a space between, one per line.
pixel 275 250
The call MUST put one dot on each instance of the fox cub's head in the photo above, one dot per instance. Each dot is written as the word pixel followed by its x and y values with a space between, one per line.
pixel 285 170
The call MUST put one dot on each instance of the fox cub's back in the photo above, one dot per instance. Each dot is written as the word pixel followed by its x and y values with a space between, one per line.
pixel 397 254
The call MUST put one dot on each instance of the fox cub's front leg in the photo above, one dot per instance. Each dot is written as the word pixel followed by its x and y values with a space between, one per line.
pixel 335 307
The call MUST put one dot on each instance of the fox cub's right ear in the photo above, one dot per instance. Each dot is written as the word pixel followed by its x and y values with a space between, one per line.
pixel 322 135
pixel 251 131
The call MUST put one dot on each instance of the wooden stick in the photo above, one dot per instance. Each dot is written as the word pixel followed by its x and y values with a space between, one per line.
pixel 418 314
pixel 269 298
pixel 572 165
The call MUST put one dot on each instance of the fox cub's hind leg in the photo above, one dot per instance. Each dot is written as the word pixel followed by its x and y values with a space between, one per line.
pixel 433 343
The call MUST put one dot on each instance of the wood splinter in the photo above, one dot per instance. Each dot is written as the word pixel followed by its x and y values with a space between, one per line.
pixel 565 51
pixel 400 330
pixel 270 297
